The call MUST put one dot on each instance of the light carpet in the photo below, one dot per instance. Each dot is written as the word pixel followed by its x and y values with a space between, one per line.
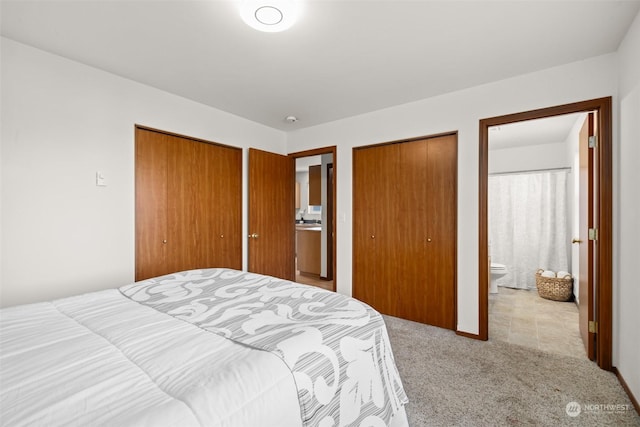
pixel 457 381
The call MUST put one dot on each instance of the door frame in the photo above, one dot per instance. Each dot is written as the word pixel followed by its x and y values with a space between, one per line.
pixel 604 182
pixel 333 150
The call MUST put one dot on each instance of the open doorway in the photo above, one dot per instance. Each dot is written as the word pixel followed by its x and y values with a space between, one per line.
pixel 315 217
pixel 596 319
pixel 533 221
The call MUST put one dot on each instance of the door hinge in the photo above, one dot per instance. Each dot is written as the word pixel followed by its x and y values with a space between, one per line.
pixel 593 326
pixel 593 234
pixel 593 141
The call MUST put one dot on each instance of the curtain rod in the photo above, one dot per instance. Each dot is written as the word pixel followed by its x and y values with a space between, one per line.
pixel 532 171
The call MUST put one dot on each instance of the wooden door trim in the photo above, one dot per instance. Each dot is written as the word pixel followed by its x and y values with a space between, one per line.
pixel 179 135
pixel 333 150
pixel 603 261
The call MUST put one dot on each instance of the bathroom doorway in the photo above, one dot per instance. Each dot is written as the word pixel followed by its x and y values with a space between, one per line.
pixel 596 315
pixel 315 217
pixel 533 169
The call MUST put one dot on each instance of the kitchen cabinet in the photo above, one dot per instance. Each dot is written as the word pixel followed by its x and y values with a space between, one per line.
pixel 308 246
pixel 315 185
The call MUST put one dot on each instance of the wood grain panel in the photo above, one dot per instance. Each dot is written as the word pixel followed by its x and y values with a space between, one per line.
pixel 271 214
pixel 197 223
pixel 315 185
pixel 226 174
pixel 442 231
pixel 308 251
pixel 404 204
pixel 183 189
pixel 365 203
pixel 151 204
pixel 411 227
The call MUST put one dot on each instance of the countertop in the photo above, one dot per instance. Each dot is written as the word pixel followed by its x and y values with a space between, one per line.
pixel 308 227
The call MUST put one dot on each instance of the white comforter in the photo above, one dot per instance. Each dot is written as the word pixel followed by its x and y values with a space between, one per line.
pixel 102 359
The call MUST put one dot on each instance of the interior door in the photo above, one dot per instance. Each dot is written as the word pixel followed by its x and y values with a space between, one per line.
pixel 587 247
pixel 271 214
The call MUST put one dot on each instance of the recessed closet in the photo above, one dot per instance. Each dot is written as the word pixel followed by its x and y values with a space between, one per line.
pixel 404 228
pixel 188 204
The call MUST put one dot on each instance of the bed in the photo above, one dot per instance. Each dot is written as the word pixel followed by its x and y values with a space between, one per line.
pixel 212 347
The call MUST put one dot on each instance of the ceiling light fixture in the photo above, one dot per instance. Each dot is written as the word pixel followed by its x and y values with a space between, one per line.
pixel 270 15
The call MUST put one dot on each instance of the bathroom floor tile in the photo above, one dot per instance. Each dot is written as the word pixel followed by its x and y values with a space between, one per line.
pixel 522 317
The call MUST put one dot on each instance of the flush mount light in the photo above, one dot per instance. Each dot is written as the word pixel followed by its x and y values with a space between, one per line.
pixel 270 15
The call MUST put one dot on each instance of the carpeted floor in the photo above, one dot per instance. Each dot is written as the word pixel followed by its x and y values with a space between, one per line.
pixel 457 381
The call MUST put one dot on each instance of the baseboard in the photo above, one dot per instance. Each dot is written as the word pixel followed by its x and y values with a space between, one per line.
pixel 626 388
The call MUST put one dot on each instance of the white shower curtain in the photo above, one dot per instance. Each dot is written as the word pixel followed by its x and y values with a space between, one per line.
pixel 528 225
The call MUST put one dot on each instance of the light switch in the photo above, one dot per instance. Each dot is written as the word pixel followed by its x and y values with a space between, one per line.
pixel 101 181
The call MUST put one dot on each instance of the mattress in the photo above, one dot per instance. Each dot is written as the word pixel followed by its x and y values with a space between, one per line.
pixel 213 347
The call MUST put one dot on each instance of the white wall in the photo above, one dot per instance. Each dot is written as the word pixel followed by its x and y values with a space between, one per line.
pixel 527 158
pixel 573 153
pixel 459 111
pixel 626 276
pixel 61 122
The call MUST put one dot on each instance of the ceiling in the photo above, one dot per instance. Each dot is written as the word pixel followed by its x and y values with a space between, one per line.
pixel 342 58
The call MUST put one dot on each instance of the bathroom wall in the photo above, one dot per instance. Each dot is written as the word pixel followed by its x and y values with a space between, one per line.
pixel 546 155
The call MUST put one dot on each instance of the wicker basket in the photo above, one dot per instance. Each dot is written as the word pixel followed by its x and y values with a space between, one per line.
pixel 554 288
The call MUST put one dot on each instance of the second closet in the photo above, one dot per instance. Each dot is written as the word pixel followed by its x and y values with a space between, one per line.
pixel 404 228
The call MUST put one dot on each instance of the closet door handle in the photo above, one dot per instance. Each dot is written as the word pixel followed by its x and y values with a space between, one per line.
pixel 578 241
pixel 253 236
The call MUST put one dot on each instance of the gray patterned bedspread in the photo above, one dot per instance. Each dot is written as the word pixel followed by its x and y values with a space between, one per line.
pixel 336 347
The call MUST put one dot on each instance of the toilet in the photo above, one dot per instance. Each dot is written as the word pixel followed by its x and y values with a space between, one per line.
pixel 497 271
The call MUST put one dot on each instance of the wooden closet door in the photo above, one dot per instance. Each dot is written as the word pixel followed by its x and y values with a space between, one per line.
pixel 375 236
pixel 412 264
pixel 151 204
pixel 441 221
pixel 404 242
pixel 183 189
pixel 188 204
pixel 224 171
